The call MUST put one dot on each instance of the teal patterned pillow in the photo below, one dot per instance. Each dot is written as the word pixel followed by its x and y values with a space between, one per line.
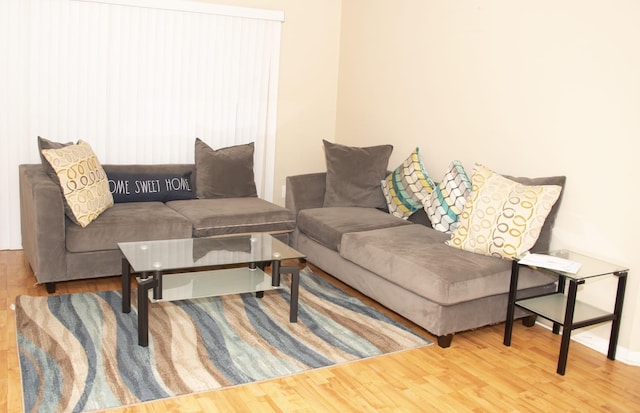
pixel 406 188
pixel 445 204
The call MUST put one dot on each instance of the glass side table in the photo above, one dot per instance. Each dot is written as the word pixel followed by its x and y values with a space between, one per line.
pixel 563 309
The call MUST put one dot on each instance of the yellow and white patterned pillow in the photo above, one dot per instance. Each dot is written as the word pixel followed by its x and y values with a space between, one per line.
pixel 502 217
pixel 83 182
pixel 407 186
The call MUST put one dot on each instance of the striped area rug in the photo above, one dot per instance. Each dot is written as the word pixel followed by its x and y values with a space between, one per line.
pixel 79 352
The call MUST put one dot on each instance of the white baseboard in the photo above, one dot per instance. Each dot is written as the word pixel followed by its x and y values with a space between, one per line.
pixel 601 345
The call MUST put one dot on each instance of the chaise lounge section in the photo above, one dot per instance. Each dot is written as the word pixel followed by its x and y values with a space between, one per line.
pixel 406 265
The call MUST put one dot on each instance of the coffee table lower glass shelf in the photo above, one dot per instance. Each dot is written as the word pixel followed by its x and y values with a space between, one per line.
pixel 214 283
pixel 171 270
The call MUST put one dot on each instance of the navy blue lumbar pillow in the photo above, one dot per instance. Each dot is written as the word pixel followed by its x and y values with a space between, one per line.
pixel 147 187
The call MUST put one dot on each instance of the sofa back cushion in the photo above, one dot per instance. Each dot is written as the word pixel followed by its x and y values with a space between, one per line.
pixel 225 172
pixel 43 144
pixel 354 175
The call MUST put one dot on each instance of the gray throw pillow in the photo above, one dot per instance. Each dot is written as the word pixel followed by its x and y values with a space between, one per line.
pixel 354 175
pixel 226 172
pixel 47 144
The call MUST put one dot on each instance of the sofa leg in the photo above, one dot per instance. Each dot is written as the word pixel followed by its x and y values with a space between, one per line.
pixel 445 341
pixel 51 287
pixel 529 321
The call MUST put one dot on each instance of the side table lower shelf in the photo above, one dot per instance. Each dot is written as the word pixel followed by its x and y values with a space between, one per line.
pixel 553 308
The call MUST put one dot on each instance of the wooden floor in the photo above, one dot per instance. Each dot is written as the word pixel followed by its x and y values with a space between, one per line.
pixel 476 374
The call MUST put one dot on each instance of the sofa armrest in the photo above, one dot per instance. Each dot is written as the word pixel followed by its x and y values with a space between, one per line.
pixel 42 220
pixel 305 191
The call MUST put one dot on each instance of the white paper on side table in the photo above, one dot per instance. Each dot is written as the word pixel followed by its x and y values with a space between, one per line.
pixel 553 263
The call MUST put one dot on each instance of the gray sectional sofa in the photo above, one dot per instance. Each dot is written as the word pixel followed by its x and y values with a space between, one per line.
pixel 405 265
pixel 59 250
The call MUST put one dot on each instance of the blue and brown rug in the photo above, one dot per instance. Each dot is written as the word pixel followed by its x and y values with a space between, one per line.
pixel 79 352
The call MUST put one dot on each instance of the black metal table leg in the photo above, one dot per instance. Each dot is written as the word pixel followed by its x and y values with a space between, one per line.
pixel 143 310
pixel 254 266
pixel 295 287
pixel 275 273
pixel 567 326
pixel 561 281
pixel 157 290
pixel 511 304
pixel 295 283
pixel 615 325
pixel 126 286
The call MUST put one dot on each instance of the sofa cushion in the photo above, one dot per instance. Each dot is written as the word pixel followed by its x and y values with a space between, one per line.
pixel 502 217
pixel 222 216
pixel 416 258
pixel 420 217
pixel 135 221
pixel 354 175
pixel 82 180
pixel 407 187
pixel 224 173
pixel 327 225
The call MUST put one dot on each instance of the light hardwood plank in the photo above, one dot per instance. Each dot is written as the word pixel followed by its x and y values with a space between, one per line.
pixel 476 374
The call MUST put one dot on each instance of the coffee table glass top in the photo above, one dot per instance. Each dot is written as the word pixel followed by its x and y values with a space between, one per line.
pixel 164 255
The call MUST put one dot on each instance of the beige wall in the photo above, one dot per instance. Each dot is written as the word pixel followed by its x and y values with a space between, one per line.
pixel 526 87
pixel 308 83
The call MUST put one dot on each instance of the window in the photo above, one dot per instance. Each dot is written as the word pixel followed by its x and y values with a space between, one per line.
pixel 139 80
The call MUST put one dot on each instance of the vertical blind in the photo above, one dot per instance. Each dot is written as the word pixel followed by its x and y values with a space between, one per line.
pixel 138 80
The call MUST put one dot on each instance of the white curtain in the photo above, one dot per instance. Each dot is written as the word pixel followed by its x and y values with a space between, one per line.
pixel 138 80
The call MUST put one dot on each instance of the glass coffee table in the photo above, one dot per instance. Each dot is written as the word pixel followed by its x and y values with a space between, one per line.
pixel 180 269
